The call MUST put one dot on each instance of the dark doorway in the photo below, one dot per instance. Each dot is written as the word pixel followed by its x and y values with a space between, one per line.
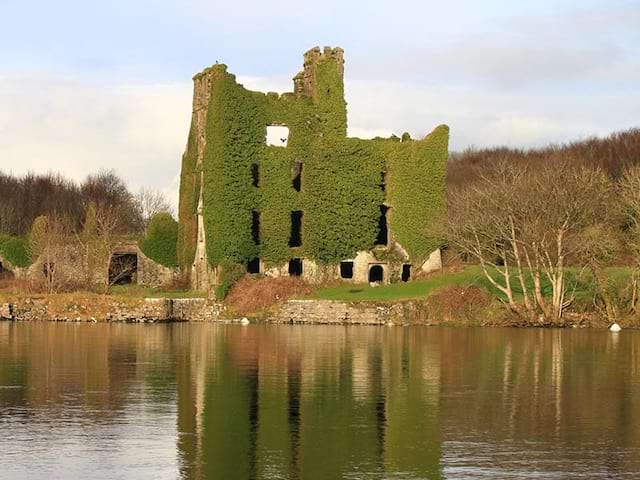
pixel 295 267
pixel 346 269
pixel 376 273
pixel 255 226
pixel 253 266
pixel 5 273
pixel 255 174
pixel 123 269
pixel 295 240
pixel 383 229
pixel 406 272
pixel 296 173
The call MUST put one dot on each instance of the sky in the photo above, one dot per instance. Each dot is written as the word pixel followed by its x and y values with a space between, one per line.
pixel 88 85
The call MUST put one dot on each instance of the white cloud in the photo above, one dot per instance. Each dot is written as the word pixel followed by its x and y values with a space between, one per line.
pixel 79 125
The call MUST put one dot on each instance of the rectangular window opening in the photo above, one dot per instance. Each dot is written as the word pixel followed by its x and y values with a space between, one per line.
pixel 253 266
pixel 255 174
pixel 406 272
pixel 295 240
pixel 255 226
pixel 383 229
pixel 296 173
pixel 295 267
pixel 346 270
pixel 277 135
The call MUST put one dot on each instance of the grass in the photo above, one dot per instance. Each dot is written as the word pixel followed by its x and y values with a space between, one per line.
pixel 419 288
pixel 470 275
pixel 138 291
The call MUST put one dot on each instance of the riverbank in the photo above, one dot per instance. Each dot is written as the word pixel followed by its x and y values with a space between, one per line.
pixel 468 307
pixel 456 297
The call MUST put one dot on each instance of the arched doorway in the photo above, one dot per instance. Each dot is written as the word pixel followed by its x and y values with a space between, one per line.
pixel 376 274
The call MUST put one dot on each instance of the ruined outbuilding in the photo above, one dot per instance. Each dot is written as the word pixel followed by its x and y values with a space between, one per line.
pixel 271 184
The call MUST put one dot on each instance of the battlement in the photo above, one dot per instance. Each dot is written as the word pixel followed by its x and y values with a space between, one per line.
pixel 305 82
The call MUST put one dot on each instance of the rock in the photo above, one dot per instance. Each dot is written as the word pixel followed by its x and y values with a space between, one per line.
pixel 245 321
pixel 615 328
pixel 433 263
pixel 6 311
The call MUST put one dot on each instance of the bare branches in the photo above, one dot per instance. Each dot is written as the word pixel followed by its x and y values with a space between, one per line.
pixel 526 224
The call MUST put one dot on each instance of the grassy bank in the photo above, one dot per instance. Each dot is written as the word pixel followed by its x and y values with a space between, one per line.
pixel 463 277
pixel 416 289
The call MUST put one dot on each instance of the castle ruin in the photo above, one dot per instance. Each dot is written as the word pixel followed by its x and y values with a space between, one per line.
pixel 271 184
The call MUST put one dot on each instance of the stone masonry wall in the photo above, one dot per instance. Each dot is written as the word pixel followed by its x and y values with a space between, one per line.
pixel 113 309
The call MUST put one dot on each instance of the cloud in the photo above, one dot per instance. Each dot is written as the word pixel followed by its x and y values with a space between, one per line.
pixel 78 125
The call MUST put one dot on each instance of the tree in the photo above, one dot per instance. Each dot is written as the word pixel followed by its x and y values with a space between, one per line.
pixel 524 225
pixel 629 190
pixel 151 203
pixel 98 239
pixel 49 247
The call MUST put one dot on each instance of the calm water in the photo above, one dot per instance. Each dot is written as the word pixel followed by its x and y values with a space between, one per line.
pixel 302 402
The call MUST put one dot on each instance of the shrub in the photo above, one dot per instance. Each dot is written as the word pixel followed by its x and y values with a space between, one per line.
pixel 14 250
pixel 251 295
pixel 160 244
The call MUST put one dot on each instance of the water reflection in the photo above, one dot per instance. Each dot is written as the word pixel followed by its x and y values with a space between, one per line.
pixel 302 402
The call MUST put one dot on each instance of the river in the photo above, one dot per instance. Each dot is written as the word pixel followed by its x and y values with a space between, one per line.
pixel 205 401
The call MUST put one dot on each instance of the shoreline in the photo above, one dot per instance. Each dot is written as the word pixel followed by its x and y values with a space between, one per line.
pixel 99 308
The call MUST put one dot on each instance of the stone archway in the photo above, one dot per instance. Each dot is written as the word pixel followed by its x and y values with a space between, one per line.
pixel 376 274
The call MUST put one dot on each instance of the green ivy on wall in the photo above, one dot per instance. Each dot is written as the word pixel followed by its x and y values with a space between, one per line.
pixel 161 239
pixel 189 197
pixel 415 183
pixel 341 191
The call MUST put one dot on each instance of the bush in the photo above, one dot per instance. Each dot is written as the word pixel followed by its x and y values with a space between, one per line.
pixel 251 295
pixel 160 244
pixel 14 250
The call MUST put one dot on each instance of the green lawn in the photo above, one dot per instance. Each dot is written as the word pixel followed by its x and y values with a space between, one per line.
pixel 471 275
pixel 399 291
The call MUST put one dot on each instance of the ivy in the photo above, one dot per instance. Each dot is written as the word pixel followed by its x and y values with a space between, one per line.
pixel 416 181
pixel 160 242
pixel 341 188
pixel 189 197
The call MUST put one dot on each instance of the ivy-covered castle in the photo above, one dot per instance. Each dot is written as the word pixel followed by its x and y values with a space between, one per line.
pixel 271 184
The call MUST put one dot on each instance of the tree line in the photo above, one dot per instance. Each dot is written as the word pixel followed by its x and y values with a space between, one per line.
pixel 541 224
pixel 25 198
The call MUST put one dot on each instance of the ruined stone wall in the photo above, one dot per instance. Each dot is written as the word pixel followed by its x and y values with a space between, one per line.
pixel 230 174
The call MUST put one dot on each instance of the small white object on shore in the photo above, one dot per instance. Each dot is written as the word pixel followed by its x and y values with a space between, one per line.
pixel 245 321
pixel 615 328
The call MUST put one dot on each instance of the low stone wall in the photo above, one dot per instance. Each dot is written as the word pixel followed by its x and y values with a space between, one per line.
pixel 115 309
pixel 331 312
pixel 112 309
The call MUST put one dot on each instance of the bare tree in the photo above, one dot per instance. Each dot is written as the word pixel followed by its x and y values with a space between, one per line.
pixel 524 226
pixel 98 240
pixel 151 202
pixel 629 189
pixel 49 249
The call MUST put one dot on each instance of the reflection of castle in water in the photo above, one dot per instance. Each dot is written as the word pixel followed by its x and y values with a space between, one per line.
pixel 309 403
pixel 334 402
